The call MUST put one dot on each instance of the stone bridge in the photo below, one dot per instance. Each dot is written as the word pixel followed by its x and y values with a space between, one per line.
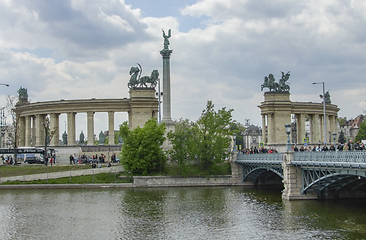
pixel 306 175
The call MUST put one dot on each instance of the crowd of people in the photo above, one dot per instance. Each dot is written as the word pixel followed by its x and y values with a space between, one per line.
pixel 349 146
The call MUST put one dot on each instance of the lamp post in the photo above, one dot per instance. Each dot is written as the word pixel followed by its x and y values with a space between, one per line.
pixel 324 117
pixel 5 84
pixel 234 140
pixel 288 131
pixel 334 138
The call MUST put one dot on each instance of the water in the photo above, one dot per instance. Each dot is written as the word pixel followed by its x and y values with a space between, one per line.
pixel 175 213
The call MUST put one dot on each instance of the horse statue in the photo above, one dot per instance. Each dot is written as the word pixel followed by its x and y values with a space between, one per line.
pixel 270 83
pixel 150 79
pixel 134 79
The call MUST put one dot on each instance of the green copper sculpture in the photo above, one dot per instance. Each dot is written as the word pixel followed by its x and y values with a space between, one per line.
pixel 137 81
pixel 327 97
pixel 272 85
pixel 166 40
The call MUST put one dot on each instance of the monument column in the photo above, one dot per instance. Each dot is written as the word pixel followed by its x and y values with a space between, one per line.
pixel 111 127
pixel 300 124
pixel 28 131
pixel 90 127
pixel 33 131
pixel 21 133
pixel 71 128
pixel 40 137
pixel 315 123
pixel 264 128
pixel 165 53
pixel 270 128
pixel 54 126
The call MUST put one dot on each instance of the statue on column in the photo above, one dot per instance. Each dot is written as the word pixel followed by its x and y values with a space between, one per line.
pixel 137 81
pixel 281 86
pixel 23 95
pixel 327 97
pixel 166 38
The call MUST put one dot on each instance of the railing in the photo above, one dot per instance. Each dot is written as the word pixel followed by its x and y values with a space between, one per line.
pixel 330 156
pixel 265 157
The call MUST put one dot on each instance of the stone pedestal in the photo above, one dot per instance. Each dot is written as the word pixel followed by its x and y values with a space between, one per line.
pixel 144 105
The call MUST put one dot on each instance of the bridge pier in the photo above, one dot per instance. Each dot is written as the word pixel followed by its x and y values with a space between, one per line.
pixel 292 180
pixel 236 171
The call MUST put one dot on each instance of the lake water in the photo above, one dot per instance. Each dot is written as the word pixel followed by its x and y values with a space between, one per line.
pixel 175 213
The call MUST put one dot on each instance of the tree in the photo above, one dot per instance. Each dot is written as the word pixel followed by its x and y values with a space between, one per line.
pixel 141 151
pixel 182 140
pixel 342 138
pixel 207 140
pixel 13 130
pixel 49 133
pixel 361 135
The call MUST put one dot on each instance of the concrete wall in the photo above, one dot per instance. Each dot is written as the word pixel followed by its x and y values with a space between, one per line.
pixel 162 181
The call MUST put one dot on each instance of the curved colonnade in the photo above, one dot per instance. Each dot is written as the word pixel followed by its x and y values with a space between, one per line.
pixel 141 106
pixel 277 109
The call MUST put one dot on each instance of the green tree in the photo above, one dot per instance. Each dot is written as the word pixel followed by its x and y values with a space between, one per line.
pixel 141 151
pixel 183 145
pixel 361 135
pixel 342 138
pixel 206 141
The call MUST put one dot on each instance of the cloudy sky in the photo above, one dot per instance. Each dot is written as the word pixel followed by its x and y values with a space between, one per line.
pixel 222 49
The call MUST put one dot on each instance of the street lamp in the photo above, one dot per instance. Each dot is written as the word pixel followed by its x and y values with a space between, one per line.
pixel 4 84
pixel 234 140
pixel 324 118
pixel 334 138
pixel 288 131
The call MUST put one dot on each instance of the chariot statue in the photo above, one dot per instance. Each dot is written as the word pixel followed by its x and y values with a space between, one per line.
pixel 137 81
pixel 273 86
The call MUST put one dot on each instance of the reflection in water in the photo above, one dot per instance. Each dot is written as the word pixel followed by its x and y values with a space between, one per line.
pixel 175 213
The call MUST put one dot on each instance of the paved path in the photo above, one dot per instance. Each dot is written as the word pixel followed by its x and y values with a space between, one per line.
pixel 44 176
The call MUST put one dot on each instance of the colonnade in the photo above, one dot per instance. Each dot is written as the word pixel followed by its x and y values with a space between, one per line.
pixel 141 106
pixel 277 110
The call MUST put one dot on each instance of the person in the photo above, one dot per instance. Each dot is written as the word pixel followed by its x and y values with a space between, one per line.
pixel 71 159
pixel 332 148
pixel 302 149
pixel 296 149
pixel 346 147
pixel 340 147
pixel 318 148
pixel 94 165
pixel 325 148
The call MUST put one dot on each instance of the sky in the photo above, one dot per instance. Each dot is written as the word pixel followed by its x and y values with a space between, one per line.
pixel 222 50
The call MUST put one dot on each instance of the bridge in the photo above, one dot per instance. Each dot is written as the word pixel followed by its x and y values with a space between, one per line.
pixel 306 175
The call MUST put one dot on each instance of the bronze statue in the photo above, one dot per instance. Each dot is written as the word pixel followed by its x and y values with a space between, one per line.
pixel 166 40
pixel 137 81
pixel 327 97
pixel 271 84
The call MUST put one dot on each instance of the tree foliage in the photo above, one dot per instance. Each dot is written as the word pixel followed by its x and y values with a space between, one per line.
pixel 361 135
pixel 141 150
pixel 342 139
pixel 206 141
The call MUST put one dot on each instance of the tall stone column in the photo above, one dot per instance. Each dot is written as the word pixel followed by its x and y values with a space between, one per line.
pixel 40 136
pixel 90 126
pixel 315 136
pixel 71 128
pixel 111 127
pixel 300 125
pixel 264 128
pixel 54 126
pixel 165 53
pixel 21 132
pixel 34 131
pixel 270 128
pixel 28 131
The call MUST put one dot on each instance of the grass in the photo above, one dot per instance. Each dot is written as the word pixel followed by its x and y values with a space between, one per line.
pixel 25 169
pixel 118 177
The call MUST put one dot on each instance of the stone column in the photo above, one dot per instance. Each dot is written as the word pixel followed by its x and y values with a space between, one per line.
pixel 71 128
pixel 90 127
pixel 300 125
pixel 54 126
pixel 21 132
pixel 270 128
pixel 34 131
pixel 321 129
pixel 40 133
pixel 165 53
pixel 111 127
pixel 28 131
pixel 315 136
pixel 264 128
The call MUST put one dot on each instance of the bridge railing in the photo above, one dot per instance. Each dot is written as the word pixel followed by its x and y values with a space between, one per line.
pixel 266 157
pixel 330 156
